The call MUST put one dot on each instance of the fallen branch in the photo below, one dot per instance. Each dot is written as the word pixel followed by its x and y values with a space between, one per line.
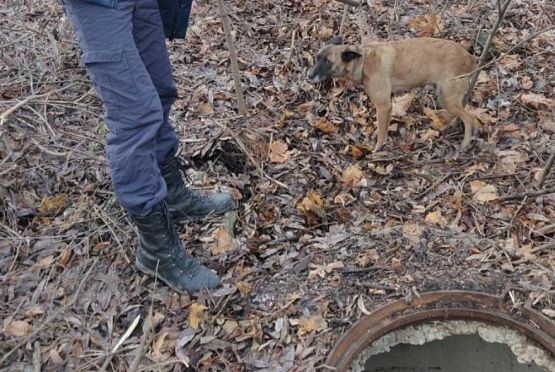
pixel 547 168
pixel 501 10
pixel 527 194
pixel 543 247
pixel 30 98
pixel 233 58
pixel 503 55
pixel 53 316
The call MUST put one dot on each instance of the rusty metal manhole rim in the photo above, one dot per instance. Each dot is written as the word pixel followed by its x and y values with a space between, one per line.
pixel 386 319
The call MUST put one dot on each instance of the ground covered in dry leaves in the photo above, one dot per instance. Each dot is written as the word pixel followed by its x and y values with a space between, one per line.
pixel 326 231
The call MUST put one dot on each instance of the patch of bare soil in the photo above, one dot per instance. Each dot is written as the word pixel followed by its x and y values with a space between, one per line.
pixel 326 230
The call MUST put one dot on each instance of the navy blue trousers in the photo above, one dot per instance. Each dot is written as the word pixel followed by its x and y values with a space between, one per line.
pixel 125 55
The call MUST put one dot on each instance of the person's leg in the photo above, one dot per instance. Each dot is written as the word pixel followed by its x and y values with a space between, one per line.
pixel 148 33
pixel 134 115
pixel 149 36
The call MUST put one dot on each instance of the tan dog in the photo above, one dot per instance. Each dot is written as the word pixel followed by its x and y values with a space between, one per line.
pixel 386 67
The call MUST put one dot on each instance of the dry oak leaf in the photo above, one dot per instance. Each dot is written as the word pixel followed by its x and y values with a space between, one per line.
pixel 412 232
pixel 401 104
pixel 325 126
pixel 322 270
pixel 482 192
pixel 244 287
pixel 427 25
pixel 536 100
pixel 351 177
pixel 509 160
pixel 196 314
pixel 223 242
pixel 312 323
pixel 52 204
pixel 436 218
pixel 437 122
pixel 278 152
pixel 312 203
pixel 16 328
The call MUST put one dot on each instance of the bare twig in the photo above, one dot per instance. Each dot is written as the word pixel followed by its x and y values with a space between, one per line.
pixel 233 58
pixel 242 146
pixel 547 169
pixel 123 338
pixel 527 194
pixel 543 247
pixel 501 10
pixel 503 55
pixel 291 48
pixel 350 2
pixel 40 328
pixel 28 99
pixel 363 28
pixel 147 329
pixel 343 19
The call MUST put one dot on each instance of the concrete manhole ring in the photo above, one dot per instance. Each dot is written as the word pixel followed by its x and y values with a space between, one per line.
pixel 458 311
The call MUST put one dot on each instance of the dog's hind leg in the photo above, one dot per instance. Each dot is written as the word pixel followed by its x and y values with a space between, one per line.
pixel 451 94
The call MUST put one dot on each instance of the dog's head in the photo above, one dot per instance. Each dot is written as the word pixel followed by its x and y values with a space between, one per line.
pixel 335 60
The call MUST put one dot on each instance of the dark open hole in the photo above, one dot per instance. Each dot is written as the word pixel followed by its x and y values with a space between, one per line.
pixel 460 353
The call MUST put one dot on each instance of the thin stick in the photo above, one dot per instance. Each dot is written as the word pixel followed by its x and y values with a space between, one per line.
pixel 233 57
pixel 343 19
pixel 527 194
pixel 40 328
pixel 547 168
pixel 544 247
pixel 147 329
pixel 249 155
pixel 503 55
pixel 501 9
pixel 28 99
pixel 350 2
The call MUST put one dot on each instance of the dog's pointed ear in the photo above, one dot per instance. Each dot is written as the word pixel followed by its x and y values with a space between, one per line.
pixel 349 55
pixel 336 40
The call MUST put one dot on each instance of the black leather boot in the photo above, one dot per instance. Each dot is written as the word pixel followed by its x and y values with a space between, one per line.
pixel 161 254
pixel 185 204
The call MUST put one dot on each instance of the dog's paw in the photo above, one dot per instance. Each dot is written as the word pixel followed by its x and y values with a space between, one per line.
pixel 378 147
pixel 465 145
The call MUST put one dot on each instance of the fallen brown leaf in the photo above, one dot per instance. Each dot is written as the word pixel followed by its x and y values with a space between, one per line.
pixel 278 152
pixel 325 126
pixel 311 324
pixel 401 104
pixel 351 176
pixel 427 25
pixel 436 218
pixel 223 242
pixel 16 328
pixel 196 314
pixel 243 287
pixel 483 192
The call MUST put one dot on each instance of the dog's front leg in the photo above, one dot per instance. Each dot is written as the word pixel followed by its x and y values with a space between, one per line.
pixel 382 100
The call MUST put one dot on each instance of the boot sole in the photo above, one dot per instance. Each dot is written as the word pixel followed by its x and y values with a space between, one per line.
pixel 186 218
pixel 156 275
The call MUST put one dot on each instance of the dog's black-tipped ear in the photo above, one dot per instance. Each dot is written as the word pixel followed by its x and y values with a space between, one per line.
pixel 349 55
pixel 336 40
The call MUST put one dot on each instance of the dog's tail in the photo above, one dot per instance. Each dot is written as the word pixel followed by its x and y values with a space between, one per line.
pixel 479 41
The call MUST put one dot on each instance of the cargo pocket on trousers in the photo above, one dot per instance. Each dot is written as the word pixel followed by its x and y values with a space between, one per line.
pixel 110 74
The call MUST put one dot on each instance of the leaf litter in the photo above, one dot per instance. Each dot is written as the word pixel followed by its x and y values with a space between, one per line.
pixel 327 230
